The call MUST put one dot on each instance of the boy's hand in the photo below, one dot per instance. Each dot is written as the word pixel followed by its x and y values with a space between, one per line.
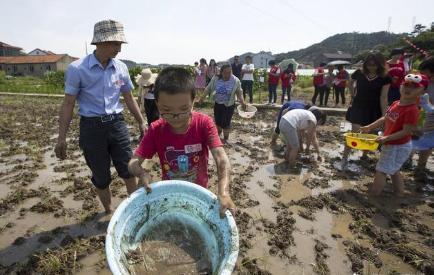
pixel 365 129
pixel 145 180
pixel 382 139
pixel 226 203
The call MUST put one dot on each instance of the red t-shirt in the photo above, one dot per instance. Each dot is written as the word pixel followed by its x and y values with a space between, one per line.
pixel 271 78
pixel 341 78
pixel 318 78
pixel 287 79
pixel 397 73
pixel 182 156
pixel 396 116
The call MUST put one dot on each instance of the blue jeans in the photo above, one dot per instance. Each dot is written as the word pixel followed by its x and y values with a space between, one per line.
pixel 286 90
pixel 272 93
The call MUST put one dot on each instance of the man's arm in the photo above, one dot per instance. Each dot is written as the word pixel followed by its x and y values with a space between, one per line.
pixel 134 109
pixel 65 117
pixel 223 172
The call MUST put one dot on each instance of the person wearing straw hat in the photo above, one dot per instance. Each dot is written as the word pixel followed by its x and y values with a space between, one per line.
pixel 146 94
pixel 96 82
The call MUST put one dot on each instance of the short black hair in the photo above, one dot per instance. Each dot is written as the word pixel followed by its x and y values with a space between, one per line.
pixel 174 80
pixel 427 65
pixel 322 64
pixel 396 51
pixel 271 62
pixel 320 116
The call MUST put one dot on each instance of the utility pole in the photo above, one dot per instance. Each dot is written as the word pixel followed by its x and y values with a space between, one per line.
pixel 413 23
pixel 389 23
pixel 85 45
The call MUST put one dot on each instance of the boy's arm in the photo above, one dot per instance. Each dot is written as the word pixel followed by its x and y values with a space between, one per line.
pixel 374 125
pixel 407 130
pixel 223 173
pixel 136 169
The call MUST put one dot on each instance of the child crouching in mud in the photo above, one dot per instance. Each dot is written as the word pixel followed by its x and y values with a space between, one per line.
pixel 296 125
pixel 399 123
pixel 182 138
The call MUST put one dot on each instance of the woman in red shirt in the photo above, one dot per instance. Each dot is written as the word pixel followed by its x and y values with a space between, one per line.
pixel 273 80
pixel 340 84
pixel 287 77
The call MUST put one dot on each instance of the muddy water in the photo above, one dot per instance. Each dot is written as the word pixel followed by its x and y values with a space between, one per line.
pixel 170 249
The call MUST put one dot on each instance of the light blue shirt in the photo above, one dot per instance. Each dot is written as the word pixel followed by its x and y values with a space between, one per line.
pixel 97 88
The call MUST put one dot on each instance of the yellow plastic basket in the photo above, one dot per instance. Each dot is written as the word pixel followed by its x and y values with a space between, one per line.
pixel 361 141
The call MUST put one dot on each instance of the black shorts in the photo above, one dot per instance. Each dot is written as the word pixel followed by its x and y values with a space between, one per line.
pixel 223 115
pixel 103 143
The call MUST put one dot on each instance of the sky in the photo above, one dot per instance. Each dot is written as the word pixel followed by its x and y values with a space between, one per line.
pixel 183 31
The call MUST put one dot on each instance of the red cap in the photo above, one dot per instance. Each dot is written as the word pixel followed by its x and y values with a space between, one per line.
pixel 418 80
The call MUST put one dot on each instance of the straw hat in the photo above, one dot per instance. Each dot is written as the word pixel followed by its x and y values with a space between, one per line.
pixel 107 31
pixel 146 78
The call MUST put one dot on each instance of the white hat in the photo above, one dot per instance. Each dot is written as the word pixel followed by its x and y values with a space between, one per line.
pixel 107 31
pixel 146 78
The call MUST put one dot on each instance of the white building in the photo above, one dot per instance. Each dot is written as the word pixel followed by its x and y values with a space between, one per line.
pixel 261 59
pixel 38 51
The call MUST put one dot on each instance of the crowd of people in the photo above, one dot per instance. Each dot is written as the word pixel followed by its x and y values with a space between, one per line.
pixel 182 138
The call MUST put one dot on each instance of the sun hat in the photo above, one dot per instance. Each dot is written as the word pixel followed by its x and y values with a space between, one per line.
pixel 107 31
pixel 146 78
pixel 418 80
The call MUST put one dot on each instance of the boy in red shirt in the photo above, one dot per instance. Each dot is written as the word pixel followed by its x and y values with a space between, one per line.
pixel 399 122
pixel 182 138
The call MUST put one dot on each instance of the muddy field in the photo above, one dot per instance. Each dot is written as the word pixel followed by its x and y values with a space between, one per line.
pixel 311 220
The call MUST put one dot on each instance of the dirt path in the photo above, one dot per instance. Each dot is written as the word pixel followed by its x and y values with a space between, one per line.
pixel 311 220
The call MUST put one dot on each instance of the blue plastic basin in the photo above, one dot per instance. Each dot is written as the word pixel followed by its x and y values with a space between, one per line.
pixel 179 201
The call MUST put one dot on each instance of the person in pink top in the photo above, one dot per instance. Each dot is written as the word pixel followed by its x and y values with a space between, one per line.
pixel 182 138
pixel 200 81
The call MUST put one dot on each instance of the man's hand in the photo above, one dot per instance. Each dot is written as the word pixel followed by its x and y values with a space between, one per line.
pixel 145 180
pixel 226 203
pixel 60 149
pixel 143 128
pixel 244 105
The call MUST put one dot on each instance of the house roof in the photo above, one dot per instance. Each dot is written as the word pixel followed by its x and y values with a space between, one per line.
pixel 37 49
pixel 338 55
pixel 4 45
pixel 32 59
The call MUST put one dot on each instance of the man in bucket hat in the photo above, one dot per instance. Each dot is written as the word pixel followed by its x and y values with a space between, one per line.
pixel 96 83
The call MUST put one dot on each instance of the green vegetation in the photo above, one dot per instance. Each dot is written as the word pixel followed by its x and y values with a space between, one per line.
pixel 30 84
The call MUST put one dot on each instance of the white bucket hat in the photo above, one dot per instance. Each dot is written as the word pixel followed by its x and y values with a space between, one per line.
pixel 146 78
pixel 107 31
